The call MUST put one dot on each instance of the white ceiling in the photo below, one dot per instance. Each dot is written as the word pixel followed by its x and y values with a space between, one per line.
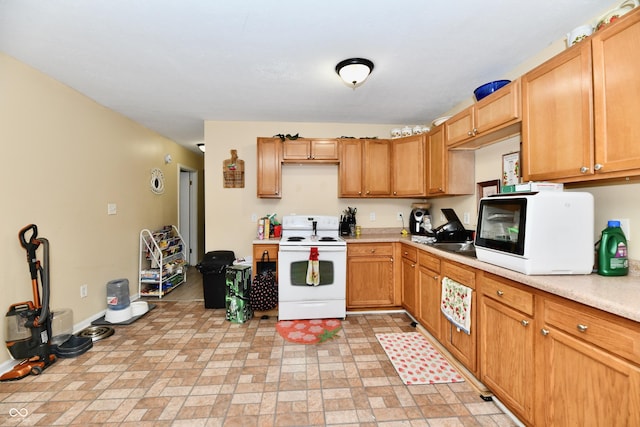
pixel 171 64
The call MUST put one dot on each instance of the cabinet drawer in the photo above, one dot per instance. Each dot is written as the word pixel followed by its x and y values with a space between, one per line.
pixel 410 253
pixel 459 274
pixel 429 261
pixel 259 250
pixel 369 249
pixel 500 290
pixel 589 325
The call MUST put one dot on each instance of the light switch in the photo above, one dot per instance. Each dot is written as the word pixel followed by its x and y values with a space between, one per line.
pixel 112 209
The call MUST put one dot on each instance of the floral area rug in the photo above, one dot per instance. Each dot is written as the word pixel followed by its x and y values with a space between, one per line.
pixel 311 331
pixel 416 360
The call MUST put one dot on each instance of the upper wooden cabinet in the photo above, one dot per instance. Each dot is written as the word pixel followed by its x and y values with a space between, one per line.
pixel 579 109
pixel 448 172
pixel 409 158
pixel 365 168
pixel 269 159
pixel 479 124
pixel 304 150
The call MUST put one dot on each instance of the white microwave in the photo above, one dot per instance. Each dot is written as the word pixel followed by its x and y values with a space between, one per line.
pixel 550 232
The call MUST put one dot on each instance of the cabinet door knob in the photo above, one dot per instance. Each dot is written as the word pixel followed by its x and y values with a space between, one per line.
pixel 373 251
pixel 475 131
pixel 413 266
pixel 436 277
pixel 470 133
pixel 582 328
pixel 544 332
pixel 584 169
pixel 395 193
pixel 524 322
pixel 499 293
pixel 368 192
pixel 359 193
pixel 597 166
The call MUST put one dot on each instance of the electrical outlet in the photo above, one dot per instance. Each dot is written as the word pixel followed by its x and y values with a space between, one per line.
pixel 372 216
pixel 254 217
pixel 112 209
pixel 84 291
pixel 466 218
pixel 399 216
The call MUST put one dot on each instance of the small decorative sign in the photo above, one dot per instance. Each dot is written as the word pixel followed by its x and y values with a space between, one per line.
pixel 233 171
pixel 511 168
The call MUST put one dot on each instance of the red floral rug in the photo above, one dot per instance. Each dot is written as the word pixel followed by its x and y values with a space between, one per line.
pixel 416 360
pixel 311 331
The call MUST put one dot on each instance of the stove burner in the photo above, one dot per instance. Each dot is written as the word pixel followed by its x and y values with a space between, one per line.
pixel 295 239
pixel 328 239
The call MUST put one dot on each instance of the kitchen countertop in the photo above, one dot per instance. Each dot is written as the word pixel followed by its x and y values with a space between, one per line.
pixel 616 295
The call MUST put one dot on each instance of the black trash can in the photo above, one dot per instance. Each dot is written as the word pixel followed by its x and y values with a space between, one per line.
pixel 213 268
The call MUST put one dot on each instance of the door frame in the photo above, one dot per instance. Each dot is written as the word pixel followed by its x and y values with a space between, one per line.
pixel 188 211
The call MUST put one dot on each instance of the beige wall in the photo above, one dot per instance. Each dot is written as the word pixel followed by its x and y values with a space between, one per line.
pixel 65 158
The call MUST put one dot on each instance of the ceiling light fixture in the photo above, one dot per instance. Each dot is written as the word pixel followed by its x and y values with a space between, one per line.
pixel 354 71
pixel 201 147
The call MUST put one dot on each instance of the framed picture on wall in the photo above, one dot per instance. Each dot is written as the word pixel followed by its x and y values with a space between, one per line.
pixel 486 189
pixel 511 168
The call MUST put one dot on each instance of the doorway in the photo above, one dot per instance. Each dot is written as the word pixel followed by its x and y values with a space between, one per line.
pixel 188 212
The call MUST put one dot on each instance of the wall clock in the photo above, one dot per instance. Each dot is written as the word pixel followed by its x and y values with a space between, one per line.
pixel 157 181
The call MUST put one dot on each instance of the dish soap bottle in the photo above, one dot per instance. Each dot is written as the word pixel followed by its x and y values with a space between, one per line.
pixel 612 253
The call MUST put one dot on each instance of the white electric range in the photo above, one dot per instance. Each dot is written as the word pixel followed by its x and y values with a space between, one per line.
pixel 296 298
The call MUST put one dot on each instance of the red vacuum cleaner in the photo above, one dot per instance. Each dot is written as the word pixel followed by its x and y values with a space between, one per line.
pixel 29 323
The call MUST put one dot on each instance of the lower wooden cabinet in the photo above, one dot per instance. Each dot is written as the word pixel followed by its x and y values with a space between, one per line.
pixel 551 361
pixel 269 251
pixel 429 294
pixel 371 279
pixel 586 380
pixel 506 343
pixel 409 278
pixel 462 345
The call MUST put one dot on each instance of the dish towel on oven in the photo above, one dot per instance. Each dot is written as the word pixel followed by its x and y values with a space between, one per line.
pixel 456 303
pixel 313 268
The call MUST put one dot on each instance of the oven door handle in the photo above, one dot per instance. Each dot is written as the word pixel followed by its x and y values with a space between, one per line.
pixel 321 249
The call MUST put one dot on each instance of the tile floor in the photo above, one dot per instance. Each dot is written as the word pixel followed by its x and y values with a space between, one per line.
pixel 183 365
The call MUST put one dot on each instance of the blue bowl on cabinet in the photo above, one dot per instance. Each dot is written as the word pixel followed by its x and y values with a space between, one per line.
pixel 488 88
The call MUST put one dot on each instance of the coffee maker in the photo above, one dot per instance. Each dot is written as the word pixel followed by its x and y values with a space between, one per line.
pixel 420 219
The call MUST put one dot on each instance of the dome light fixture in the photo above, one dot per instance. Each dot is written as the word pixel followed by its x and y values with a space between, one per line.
pixel 354 71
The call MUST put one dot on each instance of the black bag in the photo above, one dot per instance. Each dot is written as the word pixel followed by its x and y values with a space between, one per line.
pixel 264 289
pixel 263 265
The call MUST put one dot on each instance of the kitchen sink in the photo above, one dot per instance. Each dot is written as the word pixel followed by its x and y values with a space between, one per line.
pixel 460 248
